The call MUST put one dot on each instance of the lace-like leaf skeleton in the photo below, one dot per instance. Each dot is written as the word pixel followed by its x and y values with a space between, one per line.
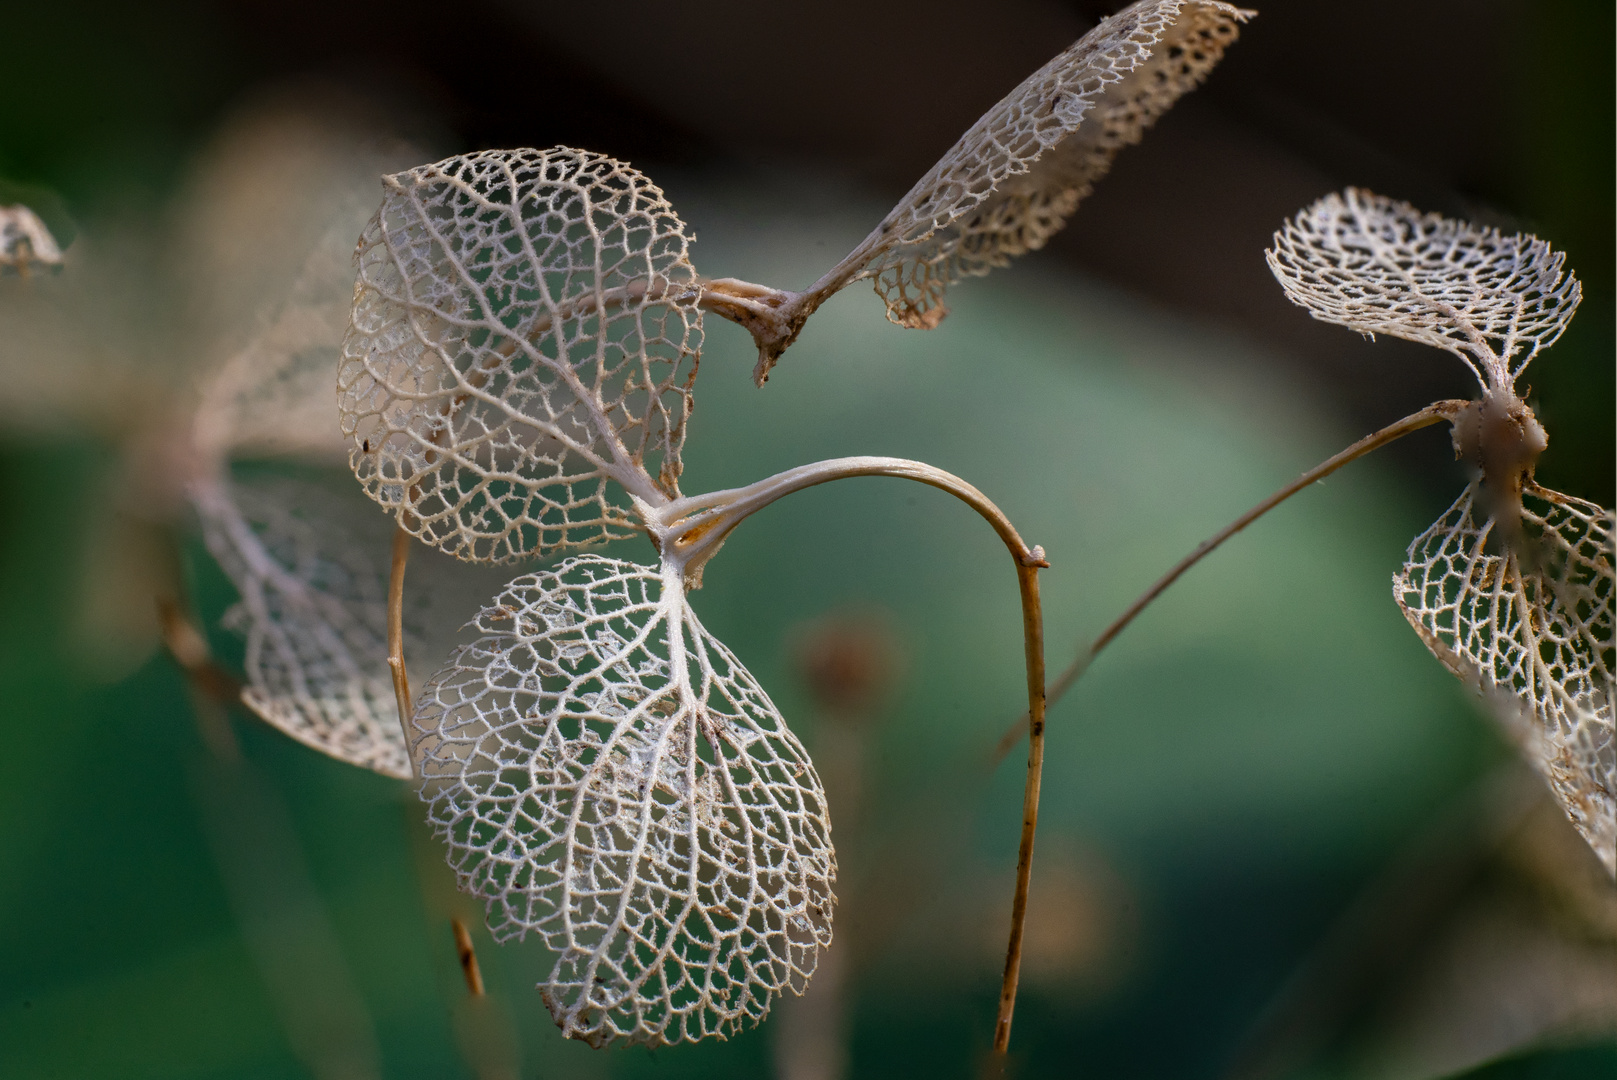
pixel 609 777
pixel 1512 587
pixel 313 608
pixel 524 334
pixel 1016 175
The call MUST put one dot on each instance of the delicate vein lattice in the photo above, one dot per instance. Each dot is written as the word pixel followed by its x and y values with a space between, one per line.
pixel 1015 177
pixel 314 611
pixel 525 329
pixel 1380 266
pixel 608 776
pixel 25 243
pixel 1537 641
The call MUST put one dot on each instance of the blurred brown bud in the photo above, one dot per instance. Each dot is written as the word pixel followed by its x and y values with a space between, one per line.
pixel 849 661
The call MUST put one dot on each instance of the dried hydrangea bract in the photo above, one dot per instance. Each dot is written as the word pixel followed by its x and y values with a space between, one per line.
pixel 1380 266
pixel 608 776
pixel 1539 639
pixel 525 330
pixel 1017 175
pixel 1512 587
pixel 313 609
pixel 26 244
pixel 273 396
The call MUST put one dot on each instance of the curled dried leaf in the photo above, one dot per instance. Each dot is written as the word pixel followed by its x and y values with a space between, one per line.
pixel 1532 629
pixel 26 245
pixel 525 330
pixel 1017 175
pixel 1380 266
pixel 608 776
pixel 313 608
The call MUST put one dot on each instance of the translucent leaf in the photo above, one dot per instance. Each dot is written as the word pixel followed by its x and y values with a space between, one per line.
pixel 26 244
pixel 1015 177
pixel 1538 642
pixel 525 329
pixel 1382 267
pixel 608 776
pixel 314 611
pixel 274 396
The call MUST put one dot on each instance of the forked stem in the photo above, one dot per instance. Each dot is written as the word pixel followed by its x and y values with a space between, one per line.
pixel 1434 413
pixel 689 531
pixel 395 631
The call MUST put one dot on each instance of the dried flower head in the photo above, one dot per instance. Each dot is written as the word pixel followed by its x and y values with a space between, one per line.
pixel 525 330
pixel 608 776
pixel 1512 587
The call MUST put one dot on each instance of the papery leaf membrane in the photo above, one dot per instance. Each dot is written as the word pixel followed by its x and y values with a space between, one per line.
pixel 608 776
pixel 525 329
pixel 274 396
pixel 313 608
pixel 1380 266
pixel 1533 630
pixel 1015 177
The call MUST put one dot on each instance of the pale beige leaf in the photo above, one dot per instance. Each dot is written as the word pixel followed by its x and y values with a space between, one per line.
pixel 273 398
pixel 524 334
pixel 1016 176
pixel 609 777
pixel 1380 266
pixel 26 245
pixel 313 608
pixel 1533 630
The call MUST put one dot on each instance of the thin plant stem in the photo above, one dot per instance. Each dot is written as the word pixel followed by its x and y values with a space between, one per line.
pixel 689 531
pixel 213 689
pixel 395 629
pixel 1027 576
pixel 1434 413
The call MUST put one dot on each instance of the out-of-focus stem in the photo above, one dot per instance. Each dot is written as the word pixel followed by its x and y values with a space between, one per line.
pixel 1434 413
pixel 468 957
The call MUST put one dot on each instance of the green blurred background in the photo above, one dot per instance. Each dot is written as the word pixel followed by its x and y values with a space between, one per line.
pixel 1271 827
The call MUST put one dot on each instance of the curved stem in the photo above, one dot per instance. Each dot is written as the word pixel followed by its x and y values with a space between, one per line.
pixel 1434 413
pixel 689 531
pixel 395 631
